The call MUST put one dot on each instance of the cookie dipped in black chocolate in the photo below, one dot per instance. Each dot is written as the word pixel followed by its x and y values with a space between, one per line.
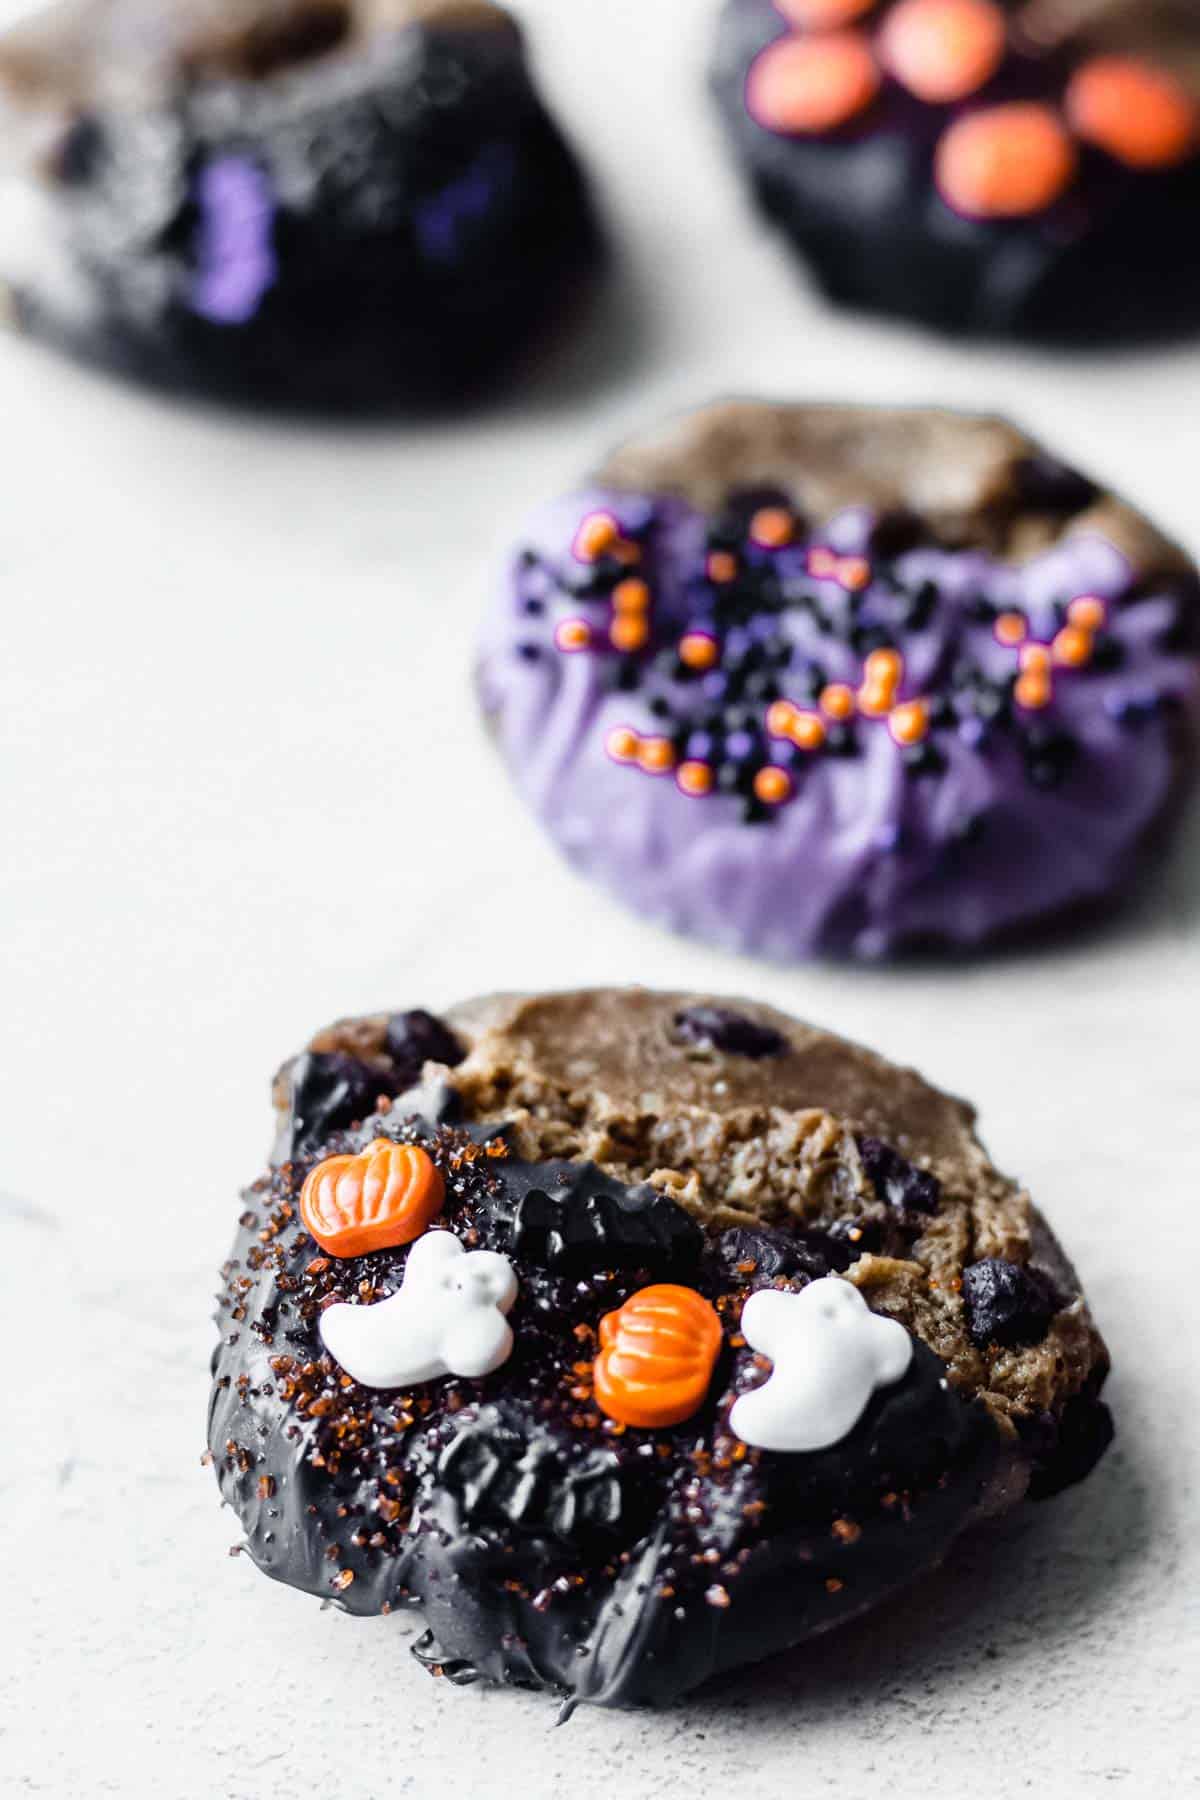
pixel 548 1542
pixel 334 204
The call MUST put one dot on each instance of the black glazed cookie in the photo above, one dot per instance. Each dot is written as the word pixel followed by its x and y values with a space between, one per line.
pixel 629 1359
pixel 1013 167
pixel 313 203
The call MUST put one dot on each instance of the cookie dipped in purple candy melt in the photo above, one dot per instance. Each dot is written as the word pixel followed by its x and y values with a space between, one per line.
pixel 843 680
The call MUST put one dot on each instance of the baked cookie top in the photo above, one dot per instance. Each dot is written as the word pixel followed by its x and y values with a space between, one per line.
pixel 585 1319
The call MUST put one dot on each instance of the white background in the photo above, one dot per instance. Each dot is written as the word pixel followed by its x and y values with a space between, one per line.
pixel 245 792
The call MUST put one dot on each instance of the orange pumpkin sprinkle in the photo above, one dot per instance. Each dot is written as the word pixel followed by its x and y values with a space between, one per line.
pixel 819 15
pixel 698 650
pixel 657 1355
pixel 622 744
pixel 943 50
pixel 694 778
pixel 772 786
pixel 656 755
pixel 1006 161
pixel 628 632
pixel 1033 690
pixel 572 634
pixel 721 565
pixel 626 551
pixel 772 526
pixel 1010 629
pixel 823 563
pixel 1138 113
pixel 389 1194
pixel 631 595
pixel 1073 646
pixel 909 723
pixel 837 700
pixel 1088 612
pixel 1034 656
pixel 805 85
pixel 597 534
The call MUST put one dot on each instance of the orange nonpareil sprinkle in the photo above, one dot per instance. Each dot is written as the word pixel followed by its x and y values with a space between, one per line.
pixel 772 786
pixel 622 744
pixel 1088 612
pixel 909 723
pixel 597 534
pixel 631 595
pixel 572 634
pixel 772 526
pixel 629 632
pixel 656 755
pixel 837 700
pixel 1073 646
pixel 1033 690
pixel 697 650
pixel 694 778
pixel 1010 629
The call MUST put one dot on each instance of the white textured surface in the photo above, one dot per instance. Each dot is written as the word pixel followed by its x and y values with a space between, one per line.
pixel 244 792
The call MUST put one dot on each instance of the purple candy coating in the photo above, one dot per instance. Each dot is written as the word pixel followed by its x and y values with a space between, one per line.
pixel 985 827
pixel 235 251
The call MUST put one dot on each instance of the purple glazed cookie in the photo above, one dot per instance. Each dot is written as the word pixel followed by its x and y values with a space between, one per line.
pixel 1012 167
pixel 341 204
pixel 812 679
pixel 649 1335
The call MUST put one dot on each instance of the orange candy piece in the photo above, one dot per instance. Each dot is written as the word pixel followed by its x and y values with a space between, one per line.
pixel 909 723
pixel 622 744
pixel 1005 162
pixel 697 650
pixel 694 778
pixel 656 755
pixel 943 50
pixel 820 15
pixel 1073 646
pixel 837 700
pixel 772 526
pixel 812 84
pixel 657 1355
pixel 1010 628
pixel 631 595
pixel 573 634
pixel 1138 113
pixel 1087 611
pixel 772 786
pixel 597 534
pixel 629 632
pixel 1033 690
pixel 388 1194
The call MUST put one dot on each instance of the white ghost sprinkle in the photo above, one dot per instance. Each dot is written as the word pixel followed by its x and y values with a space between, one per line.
pixel 830 1353
pixel 447 1318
